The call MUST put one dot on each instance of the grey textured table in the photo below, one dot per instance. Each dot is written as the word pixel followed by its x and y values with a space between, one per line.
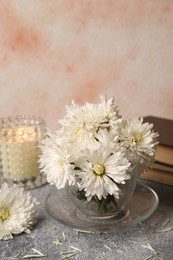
pixel 125 244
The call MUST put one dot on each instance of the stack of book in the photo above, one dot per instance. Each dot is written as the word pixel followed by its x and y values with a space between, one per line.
pixel 162 169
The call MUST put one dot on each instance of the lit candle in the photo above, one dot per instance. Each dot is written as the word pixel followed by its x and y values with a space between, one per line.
pixel 19 139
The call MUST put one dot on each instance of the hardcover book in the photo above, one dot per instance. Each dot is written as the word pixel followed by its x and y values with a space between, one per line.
pixel 162 168
pixel 164 127
pixel 158 176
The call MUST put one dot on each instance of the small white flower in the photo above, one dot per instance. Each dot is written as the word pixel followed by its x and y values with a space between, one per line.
pixel 109 114
pixel 139 140
pixel 57 160
pixel 16 211
pixel 108 139
pixel 101 171
pixel 82 123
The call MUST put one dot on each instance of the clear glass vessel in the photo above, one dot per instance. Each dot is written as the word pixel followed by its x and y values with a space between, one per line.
pixel 19 150
pixel 104 209
pixel 141 205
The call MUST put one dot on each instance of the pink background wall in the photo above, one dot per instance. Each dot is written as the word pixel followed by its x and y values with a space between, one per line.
pixel 54 51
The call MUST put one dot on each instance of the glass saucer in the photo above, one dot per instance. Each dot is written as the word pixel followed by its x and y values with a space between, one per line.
pixel 142 204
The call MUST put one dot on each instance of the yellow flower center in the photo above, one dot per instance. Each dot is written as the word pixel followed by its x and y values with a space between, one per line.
pixel 4 214
pixel 98 169
pixel 60 165
pixel 137 137
pixel 79 133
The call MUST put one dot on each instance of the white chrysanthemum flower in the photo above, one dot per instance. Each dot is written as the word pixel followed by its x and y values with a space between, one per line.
pixel 57 160
pixel 108 139
pixel 16 211
pixel 101 171
pixel 82 123
pixel 139 140
pixel 109 114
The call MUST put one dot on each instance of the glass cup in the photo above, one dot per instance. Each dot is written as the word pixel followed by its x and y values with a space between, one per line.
pixel 19 150
pixel 107 209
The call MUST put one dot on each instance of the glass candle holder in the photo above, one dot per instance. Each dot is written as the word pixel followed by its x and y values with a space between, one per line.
pixel 19 150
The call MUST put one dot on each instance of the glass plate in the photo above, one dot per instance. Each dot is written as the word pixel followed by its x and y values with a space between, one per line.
pixel 142 204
